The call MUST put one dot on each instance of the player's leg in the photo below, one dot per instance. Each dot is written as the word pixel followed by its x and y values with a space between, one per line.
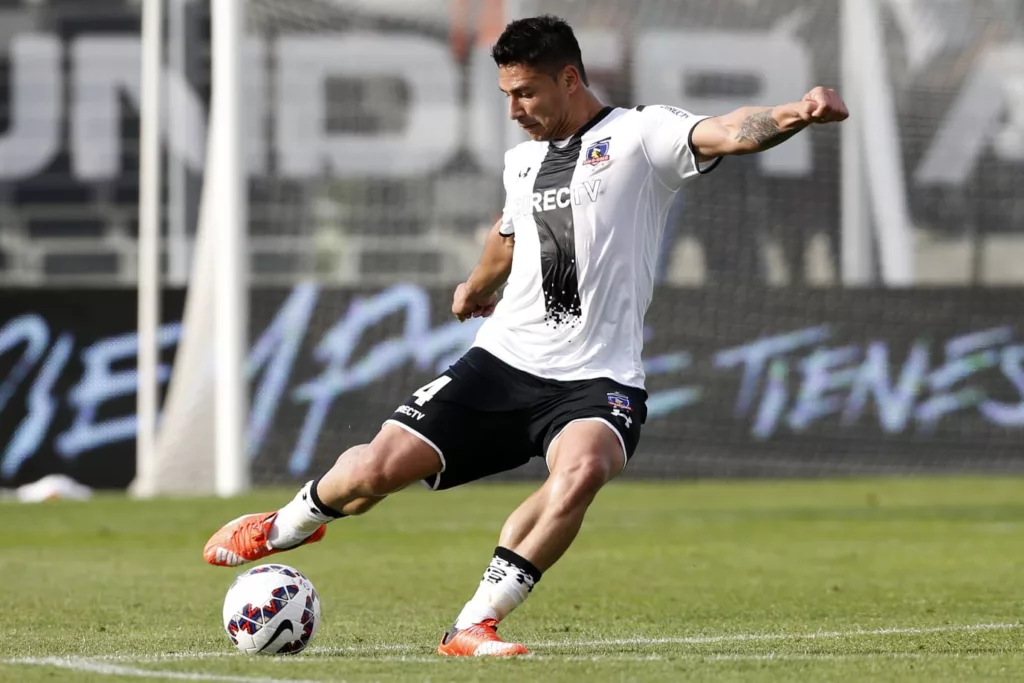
pixel 585 457
pixel 436 435
pixel 359 479
pixel 357 506
pixel 588 437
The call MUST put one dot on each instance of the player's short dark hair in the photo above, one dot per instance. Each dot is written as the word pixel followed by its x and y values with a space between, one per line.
pixel 546 43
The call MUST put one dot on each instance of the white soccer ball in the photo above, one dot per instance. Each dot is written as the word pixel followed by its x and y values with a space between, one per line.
pixel 271 609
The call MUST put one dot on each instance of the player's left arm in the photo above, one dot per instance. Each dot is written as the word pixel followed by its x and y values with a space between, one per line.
pixel 750 130
pixel 478 295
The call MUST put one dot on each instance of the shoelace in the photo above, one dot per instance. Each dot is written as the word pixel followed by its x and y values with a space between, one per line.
pixel 244 537
pixel 480 628
pixel 487 628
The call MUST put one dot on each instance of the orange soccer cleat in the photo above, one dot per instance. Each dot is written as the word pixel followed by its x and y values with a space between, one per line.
pixel 244 540
pixel 479 640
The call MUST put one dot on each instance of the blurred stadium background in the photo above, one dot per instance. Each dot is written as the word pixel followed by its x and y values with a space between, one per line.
pixel 373 140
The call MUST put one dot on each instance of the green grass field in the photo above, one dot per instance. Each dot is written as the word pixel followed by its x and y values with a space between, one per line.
pixel 888 580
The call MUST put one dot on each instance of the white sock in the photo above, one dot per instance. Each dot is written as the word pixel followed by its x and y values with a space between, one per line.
pixel 507 582
pixel 299 518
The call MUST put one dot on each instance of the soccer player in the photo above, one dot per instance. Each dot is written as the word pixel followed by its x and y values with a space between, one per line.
pixel 555 372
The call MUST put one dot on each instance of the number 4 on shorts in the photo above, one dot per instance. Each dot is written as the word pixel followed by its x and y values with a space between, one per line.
pixel 425 393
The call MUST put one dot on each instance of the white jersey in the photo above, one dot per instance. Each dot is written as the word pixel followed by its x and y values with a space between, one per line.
pixel 588 214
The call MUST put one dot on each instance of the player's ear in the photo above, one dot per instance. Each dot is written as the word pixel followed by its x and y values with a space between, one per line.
pixel 570 78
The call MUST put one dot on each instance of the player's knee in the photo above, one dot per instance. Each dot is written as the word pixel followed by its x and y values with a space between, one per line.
pixel 393 461
pixel 577 482
pixel 380 472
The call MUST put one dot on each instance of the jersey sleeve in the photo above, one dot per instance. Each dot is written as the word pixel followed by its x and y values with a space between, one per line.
pixel 667 136
pixel 507 228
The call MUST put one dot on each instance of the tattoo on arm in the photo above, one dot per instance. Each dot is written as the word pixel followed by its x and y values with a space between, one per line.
pixel 762 132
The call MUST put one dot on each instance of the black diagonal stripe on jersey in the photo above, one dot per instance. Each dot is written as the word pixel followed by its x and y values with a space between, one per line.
pixel 557 230
pixel 557 233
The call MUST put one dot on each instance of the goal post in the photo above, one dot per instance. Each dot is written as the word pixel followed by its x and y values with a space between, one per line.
pixel 856 250
pixel 880 148
pixel 228 220
pixel 198 447
pixel 150 167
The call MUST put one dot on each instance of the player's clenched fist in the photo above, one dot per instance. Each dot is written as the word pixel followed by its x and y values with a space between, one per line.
pixel 823 105
pixel 466 306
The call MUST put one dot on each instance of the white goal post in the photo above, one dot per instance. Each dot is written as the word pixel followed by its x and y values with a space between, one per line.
pixel 149 246
pixel 198 445
pixel 874 183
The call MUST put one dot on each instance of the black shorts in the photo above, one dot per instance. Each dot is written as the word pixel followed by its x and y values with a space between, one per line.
pixel 483 416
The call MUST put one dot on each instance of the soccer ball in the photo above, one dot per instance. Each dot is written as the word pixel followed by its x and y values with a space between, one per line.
pixel 271 609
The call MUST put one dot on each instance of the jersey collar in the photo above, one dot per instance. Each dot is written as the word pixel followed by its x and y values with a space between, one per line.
pixel 600 116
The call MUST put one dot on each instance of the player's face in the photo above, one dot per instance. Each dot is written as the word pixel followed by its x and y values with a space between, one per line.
pixel 538 102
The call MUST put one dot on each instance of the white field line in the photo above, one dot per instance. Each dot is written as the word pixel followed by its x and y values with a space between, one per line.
pixel 92 666
pixel 104 665
pixel 824 656
pixel 761 637
pixel 108 669
pixel 694 657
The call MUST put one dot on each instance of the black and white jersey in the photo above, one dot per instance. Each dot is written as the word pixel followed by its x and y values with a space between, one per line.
pixel 588 215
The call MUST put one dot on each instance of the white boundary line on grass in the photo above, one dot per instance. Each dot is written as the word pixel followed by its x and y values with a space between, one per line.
pixel 754 637
pixel 371 650
pixel 83 664
pixel 825 656
pixel 696 657
pixel 103 664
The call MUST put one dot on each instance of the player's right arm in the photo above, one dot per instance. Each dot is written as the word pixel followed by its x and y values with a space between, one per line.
pixel 750 130
pixel 680 145
pixel 478 295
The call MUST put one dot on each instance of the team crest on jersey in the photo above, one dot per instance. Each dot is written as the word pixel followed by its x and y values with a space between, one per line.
pixel 619 401
pixel 597 153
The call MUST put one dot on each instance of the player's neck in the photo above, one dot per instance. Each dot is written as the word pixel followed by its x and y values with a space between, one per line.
pixel 582 114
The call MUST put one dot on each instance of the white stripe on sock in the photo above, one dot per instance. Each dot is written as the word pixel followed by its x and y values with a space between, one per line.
pixel 503 587
pixel 296 521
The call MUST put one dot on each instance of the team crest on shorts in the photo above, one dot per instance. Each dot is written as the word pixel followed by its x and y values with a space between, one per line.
pixel 597 153
pixel 619 401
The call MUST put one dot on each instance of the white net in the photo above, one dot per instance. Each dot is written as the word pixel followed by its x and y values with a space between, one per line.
pixel 352 183
pixel 376 138
pixel 386 141
pixel 375 134
pixel 361 113
pixel 958 71
pixel 386 133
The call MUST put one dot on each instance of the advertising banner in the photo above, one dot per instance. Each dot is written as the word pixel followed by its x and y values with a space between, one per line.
pixel 741 382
